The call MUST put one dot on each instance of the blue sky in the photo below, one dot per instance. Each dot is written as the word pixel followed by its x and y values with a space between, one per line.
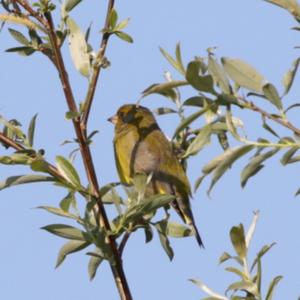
pixel 254 31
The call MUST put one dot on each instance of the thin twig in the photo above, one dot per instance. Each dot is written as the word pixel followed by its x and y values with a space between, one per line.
pixel 97 69
pixel 117 267
pixel 283 122
pixel 123 243
pixel 32 12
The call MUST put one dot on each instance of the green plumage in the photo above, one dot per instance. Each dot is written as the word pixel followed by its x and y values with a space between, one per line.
pixel 141 147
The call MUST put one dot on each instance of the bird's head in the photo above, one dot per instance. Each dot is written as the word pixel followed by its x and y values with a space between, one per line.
pixel 132 115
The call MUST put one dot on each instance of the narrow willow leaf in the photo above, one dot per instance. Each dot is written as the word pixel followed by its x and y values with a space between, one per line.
pixel 70 4
pixel 219 75
pixel 113 19
pixel 59 212
pixel 172 61
pixel 226 256
pixel 255 165
pixel 19 37
pixel 297 192
pixel 260 254
pixel 272 286
pixel 200 141
pixel 244 285
pixel 258 275
pixel 196 101
pixel 289 77
pixel 162 233
pixel 68 248
pixel 198 182
pixel 66 231
pixel 94 264
pixel 122 25
pixel 148 233
pixel 187 121
pixel 270 129
pixel 67 202
pixel 200 83
pixel 251 229
pixel 272 95
pixel 287 157
pixel 14 128
pixel 165 89
pixel 222 163
pixel 124 36
pixel 179 58
pixel 164 110
pixel 24 51
pixel 243 74
pixel 208 290
pixel 106 188
pixel 177 230
pixel 237 236
pixel 24 179
pixel 39 165
pixel 67 170
pixel 78 48
pixel 31 130
pixel 237 272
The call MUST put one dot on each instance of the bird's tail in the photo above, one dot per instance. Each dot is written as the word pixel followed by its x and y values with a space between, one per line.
pixel 186 214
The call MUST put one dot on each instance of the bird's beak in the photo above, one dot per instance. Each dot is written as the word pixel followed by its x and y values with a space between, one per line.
pixel 113 119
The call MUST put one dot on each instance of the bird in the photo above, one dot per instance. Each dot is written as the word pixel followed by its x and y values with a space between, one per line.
pixel 140 146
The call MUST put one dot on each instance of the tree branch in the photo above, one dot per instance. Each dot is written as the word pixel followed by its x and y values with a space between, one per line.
pixel 117 267
pixel 97 69
pixel 283 122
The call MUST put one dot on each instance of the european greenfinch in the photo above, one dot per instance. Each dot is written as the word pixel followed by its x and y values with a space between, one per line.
pixel 141 147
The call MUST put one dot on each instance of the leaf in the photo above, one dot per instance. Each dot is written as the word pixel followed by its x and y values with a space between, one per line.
pixel 287 158
pixel 243 74
pixel 273 284
pixel 223 162
pixel 106 188
pixel 238 240
pixel 66 231
pixel 122 25
pixel 113 19
pixel 23 179
pixel 226 256
pixel 178 230
pixel 260 254
pixel 290 5
pixel 244 285
pixel 14 127
pixel 255 165
pixel 272 95
pixel 68 248
pixel 200 141
pixel 67 201
pixel 270 129
pixel 251 229
pixel 94 263
pixel 179 58
pixel 198 182
pixel 207 290
pixel 219 75
pixel 289 77
pixel 200 83
pixel 31 130
pixel 70 4
pixel 124 36
pixel 196 101
pixel 237 272
pixel 24 51
pixel 161 227
pixel 164 111
pixel 19 37
pixel 174 62
pixel 187 121
pixel 70 115
pixel 78 48
pixel 165 89
pixel 59 212
pixel 67 170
